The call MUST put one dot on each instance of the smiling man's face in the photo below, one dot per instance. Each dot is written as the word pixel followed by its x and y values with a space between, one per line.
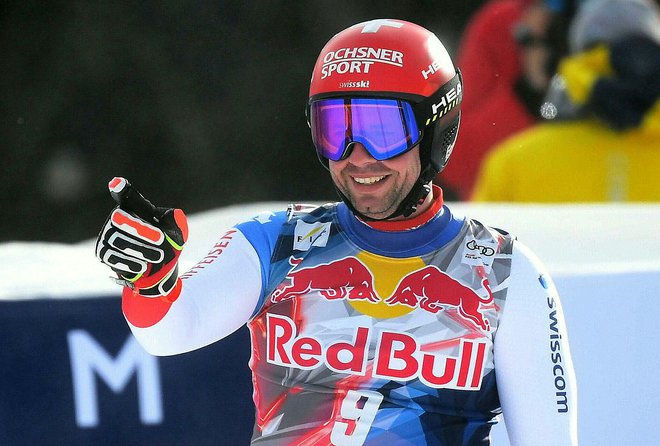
pixel 376 188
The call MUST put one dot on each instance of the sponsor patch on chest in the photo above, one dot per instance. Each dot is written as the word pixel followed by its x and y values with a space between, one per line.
pixel 479 253
pixel 307 235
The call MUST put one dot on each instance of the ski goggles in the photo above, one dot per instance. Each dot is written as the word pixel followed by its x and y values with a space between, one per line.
pixel 385 127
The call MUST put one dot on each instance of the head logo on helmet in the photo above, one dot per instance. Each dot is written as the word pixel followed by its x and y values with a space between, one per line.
pixel 395 59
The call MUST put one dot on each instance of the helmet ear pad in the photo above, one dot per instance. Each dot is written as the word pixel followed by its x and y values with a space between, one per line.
pixel 440 116
pixel 436 147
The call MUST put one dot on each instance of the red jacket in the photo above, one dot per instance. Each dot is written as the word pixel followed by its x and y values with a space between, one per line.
pixel 488 57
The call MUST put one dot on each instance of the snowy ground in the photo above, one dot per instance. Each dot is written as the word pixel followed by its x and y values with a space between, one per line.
pixel 570 239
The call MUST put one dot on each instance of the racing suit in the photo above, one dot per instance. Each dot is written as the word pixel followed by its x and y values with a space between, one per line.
pixel 366 334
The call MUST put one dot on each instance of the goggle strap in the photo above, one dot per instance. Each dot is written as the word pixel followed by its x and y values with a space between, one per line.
pixel 441 103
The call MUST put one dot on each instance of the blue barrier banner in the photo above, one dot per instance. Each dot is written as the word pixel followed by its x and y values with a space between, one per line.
pixel 71 373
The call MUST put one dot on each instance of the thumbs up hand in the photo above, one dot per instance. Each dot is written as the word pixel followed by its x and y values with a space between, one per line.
pixel 142 243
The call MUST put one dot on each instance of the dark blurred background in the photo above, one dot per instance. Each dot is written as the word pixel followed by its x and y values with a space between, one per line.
pixel 200 104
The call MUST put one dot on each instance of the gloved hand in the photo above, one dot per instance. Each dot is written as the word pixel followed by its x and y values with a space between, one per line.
pixel 142 243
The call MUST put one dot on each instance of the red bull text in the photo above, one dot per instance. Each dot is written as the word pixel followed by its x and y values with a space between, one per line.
pixel 398 356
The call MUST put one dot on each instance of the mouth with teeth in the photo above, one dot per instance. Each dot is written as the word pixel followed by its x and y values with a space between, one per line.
pixel 369 180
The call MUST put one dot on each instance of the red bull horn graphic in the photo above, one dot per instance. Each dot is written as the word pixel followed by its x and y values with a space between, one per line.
pixel 433 289
pixel 341 279
pixel 427 288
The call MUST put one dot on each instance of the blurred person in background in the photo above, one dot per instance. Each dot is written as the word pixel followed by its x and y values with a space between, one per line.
pixel 602 138
pixel 373 319
pixel 507 55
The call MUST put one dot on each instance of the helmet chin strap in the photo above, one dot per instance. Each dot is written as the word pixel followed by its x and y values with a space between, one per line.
pixel 420 190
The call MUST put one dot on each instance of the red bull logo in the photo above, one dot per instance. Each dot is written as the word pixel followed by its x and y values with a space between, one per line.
pixel 398 356
pixel 433 290
pixel 342 279
pixel 427 288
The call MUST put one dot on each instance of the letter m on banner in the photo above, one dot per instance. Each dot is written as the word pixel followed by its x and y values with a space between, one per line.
pixel 88 359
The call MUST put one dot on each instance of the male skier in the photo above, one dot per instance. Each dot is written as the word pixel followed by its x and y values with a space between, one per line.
pixel 384 319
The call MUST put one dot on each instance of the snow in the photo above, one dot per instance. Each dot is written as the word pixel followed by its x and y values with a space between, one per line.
pixel 570 239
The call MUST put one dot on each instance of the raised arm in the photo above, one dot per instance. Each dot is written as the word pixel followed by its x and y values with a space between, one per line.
pixel 168 313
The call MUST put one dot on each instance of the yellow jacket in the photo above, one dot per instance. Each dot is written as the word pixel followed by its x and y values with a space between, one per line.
pixel 575 161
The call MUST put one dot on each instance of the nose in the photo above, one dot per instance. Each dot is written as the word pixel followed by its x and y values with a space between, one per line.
pixel 359 155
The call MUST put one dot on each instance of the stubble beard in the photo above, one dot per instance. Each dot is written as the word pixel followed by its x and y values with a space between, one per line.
pixel 386 207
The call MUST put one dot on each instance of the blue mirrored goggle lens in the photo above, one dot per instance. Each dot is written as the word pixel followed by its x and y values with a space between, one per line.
pixel 386 127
